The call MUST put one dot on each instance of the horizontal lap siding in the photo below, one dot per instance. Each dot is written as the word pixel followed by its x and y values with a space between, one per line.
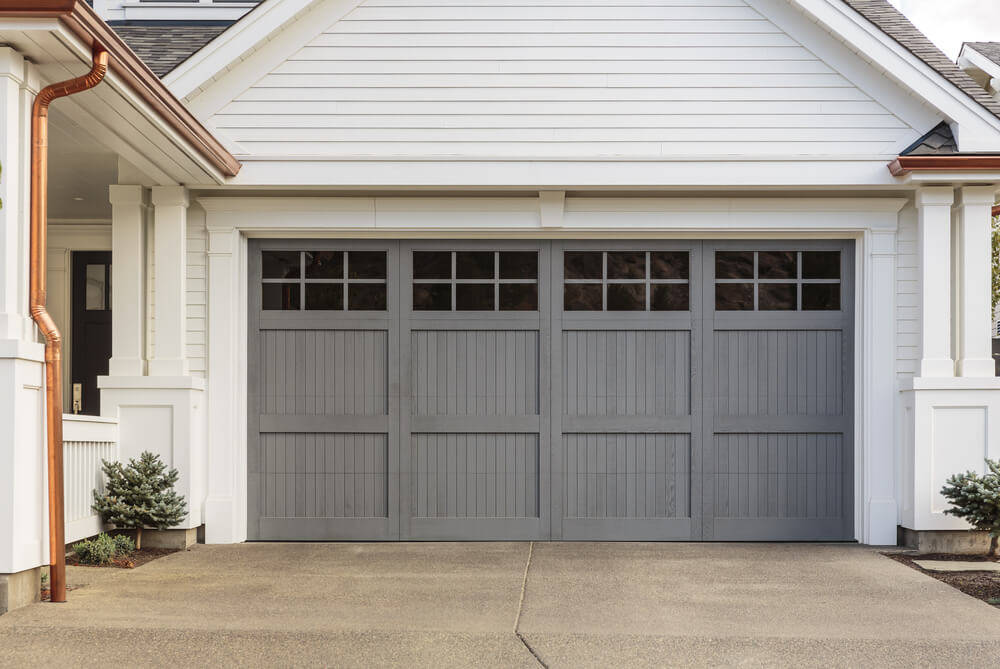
pixel 548 79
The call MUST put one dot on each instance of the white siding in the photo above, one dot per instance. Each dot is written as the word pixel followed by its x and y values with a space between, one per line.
pixel 907 296
pixel 197 291
pixel 557 78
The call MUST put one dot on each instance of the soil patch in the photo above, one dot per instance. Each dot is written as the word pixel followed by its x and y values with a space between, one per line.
pixel 984 585
pixel 136 559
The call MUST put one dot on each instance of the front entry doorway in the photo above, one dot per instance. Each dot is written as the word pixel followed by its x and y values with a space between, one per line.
pixel 90 342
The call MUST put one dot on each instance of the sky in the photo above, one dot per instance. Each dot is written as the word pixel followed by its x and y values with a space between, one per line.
pixel 948 23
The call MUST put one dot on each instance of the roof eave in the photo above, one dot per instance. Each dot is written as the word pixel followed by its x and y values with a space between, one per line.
pixel 80 19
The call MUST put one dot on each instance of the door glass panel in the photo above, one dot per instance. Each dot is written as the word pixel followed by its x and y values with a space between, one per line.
pixel 821 264
pixel 431 265
pixel 821 297
pixel 324 265
pixel 518 265
pixel 734 296
pixel 366 265
pixel 324 296
pixel 518 296
pixel 669 264
pixel 280 264
pixel 626 265
pixel 670 297
pixel 626 296
pixel 583 265
pixel 734 264
pixel 280 296
pixel 97 288
pixel 583 297
pixel 475 265
pixel 777 265
pixel 432 296
pixel 777 297
pixel 366 297
pixel 474 297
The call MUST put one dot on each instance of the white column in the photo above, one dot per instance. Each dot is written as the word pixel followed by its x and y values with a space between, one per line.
pixel 934 251
pixel 225 506
pixel 128 283
pixel 170 301
pixel 12 157
pixel 23 518
pixel 974 275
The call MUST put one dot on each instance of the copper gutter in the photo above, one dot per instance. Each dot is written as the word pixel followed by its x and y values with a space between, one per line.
pixel 37 297
pixel 85 24
pixel 903 165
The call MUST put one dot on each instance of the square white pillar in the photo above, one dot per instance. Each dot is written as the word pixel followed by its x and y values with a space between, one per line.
pixel 934 253
pixel 128 269
pixel 23 517
pixel 170 205
pixel 975 322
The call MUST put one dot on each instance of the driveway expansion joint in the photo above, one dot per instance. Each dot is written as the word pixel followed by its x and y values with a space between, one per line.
pixel 520 607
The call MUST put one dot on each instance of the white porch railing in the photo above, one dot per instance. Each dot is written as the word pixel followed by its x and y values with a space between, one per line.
pixel 86 441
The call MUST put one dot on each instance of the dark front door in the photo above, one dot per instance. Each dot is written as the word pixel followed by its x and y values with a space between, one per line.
pixel 91 336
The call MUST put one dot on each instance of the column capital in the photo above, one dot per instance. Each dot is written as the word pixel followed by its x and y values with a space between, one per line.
pixel 126 195
pixel 170 196
pixel 11 64
pixel 929 196
pixel 977 195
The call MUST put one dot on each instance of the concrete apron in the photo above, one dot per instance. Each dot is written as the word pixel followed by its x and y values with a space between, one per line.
pixel 575 604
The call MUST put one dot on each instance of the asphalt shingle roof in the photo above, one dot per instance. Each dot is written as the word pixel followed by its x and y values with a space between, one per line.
pixel 895 25
pixel 989 49
pixel 164 47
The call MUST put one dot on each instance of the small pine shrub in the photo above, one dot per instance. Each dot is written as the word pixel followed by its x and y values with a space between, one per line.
pixel 140 494
pixel 976 499
pixel 124 546
pixel 97 551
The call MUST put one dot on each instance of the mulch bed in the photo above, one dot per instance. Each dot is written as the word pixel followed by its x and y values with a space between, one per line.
pixel 137 559
pixel 984 585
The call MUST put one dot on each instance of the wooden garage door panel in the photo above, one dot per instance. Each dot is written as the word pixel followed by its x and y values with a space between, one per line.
pixel 475 372
pixel 475 475
pixel 626 373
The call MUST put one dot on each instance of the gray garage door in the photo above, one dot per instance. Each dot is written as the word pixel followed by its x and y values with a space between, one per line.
pixel 550 390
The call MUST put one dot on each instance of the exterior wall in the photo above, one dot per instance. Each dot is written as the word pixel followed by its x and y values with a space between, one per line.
pixel 197 291
pixel 605 79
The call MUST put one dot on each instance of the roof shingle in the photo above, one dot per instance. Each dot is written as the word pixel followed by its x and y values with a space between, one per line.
pixel 892 22
pixel 989 49
pixel 165 46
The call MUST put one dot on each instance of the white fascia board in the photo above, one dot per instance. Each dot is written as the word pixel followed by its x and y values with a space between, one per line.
pixel 226 50
pixel 971 58
pixel 208 173
pixel 180 11
pixel 745 172
pixel 979 129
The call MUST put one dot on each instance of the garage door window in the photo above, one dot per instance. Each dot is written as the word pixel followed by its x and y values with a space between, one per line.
pixel 324 280
pixel 777 280
pixel 626 281
pixel 475 280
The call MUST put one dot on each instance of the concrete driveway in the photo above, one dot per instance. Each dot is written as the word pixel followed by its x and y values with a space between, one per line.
pixel 573 604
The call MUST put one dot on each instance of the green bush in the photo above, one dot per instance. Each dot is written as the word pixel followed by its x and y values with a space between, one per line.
pixel 97 551
pixel 976 499
pixel 124 545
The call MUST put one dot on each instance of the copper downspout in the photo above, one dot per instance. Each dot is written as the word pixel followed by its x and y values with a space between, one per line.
pixel 53 342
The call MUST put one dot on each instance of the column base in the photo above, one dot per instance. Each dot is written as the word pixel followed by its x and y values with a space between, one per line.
pixel 977 368
pixel 162 414
pixel 962 542
pixel 950 426
pixel 20 589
